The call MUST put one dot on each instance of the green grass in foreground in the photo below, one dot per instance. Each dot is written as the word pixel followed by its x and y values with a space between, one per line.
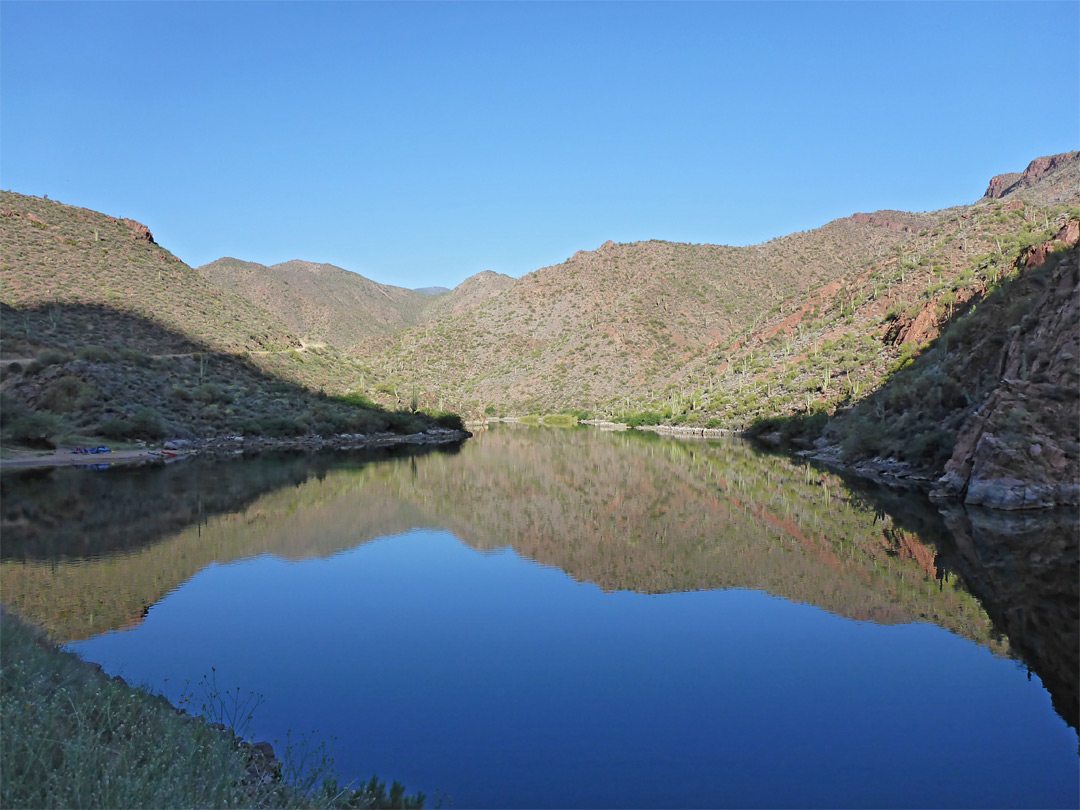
pixel 74 738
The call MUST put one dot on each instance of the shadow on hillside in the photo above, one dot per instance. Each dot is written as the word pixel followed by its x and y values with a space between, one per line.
pixel 69 327
pixel 124 376
pixel 917 414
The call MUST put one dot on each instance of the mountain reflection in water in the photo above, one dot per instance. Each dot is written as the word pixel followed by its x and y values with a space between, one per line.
pixel 85 553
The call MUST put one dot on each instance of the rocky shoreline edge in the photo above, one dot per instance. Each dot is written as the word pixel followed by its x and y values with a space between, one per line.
pixel 223 447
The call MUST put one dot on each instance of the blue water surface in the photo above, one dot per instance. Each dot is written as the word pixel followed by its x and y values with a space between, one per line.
pixel 504 683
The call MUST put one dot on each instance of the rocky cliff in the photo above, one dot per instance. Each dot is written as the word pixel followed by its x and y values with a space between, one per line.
pixel 1020 450
pixel 1065 169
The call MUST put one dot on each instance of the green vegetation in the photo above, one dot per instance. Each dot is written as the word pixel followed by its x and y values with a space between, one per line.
pixel 641 418
pixel 559 420
pixel 75 738
pixel 645 333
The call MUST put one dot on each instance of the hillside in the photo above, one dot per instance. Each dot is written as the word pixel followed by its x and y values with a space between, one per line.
pixel 64 259
pixel 107 334
pixel 703 334
pixel 319 301
pixel 839 341
pixel 613 324
pixel 322 302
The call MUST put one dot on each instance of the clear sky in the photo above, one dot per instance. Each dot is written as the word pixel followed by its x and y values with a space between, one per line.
pixel 419 143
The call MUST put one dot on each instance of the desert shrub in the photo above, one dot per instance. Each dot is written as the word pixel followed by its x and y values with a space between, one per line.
pixel 364 420
pixel 642 418
pixel 763 425
pixel 932 447
pixel 96 354
pixel 451 421
pixel 324 429
pixel 14 368
pixel 39 429
pixel 116 428
pixel 208 392
pixel 405 422
pixel 281 427
pixel 180 393
pixel 50 357
pixel 865 437
pixel 63 394
pixel 11 409
pixel 134 356
pixel 356 399
pixel 249 427
pixel 147 424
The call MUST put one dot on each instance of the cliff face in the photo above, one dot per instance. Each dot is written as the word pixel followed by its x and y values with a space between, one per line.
pixel 1031 182
pixel 1020 450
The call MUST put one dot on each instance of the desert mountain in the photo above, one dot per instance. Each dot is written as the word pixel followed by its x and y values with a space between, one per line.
pixel 692 333
pixel 56 255
pixel 614 323
pixel 701 335
pixel 326 303
pixel 712 332
pixel 106 333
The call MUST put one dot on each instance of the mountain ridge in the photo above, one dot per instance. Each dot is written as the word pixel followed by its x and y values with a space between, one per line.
pixel 326 302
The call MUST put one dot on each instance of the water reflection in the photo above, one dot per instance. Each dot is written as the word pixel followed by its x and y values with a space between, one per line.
pixel 84 553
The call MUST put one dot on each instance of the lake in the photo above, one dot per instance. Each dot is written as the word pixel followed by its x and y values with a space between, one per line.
pixel 576 618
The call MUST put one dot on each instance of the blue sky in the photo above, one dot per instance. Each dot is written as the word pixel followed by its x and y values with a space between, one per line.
pixel 420 143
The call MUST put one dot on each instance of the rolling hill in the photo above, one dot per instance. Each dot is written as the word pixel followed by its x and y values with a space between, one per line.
pixel 326 303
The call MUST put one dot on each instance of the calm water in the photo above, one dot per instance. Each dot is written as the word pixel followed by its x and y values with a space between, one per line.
pixel 574 618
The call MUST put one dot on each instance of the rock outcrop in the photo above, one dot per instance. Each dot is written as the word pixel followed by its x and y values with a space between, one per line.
pixel 1001 183
pixel 881 219
pixel 139 232
pixel 1021 449
pixel 1035 173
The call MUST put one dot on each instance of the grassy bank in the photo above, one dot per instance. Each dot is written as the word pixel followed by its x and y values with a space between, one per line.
pixel 72 737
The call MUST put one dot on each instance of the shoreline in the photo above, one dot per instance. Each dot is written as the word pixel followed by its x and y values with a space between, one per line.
pixel 170 451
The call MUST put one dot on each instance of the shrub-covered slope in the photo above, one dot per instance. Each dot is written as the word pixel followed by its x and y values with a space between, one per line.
pixel 835 345
pixel 326 303
pixel 105 333
pixel 615 323
pixel 54 256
